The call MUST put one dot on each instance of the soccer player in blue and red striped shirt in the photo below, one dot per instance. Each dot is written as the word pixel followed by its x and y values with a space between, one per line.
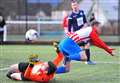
pixel 71 50
pixel 75 21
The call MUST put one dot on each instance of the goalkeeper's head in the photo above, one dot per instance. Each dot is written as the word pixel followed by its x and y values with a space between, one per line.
pixel 33 58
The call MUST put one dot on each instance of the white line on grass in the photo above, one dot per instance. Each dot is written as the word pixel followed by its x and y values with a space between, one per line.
pixel 104 62
pixel 2 69
pixel 99 62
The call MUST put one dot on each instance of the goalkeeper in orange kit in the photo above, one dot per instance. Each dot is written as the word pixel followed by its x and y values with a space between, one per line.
pixel 36 70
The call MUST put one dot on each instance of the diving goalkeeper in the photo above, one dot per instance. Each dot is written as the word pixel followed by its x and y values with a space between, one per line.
pixel 35 70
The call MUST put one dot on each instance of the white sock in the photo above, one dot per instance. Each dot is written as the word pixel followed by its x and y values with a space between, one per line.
pixel 16 76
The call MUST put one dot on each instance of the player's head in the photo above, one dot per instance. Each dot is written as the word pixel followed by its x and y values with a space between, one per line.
pixel 95 24
pixel 74 5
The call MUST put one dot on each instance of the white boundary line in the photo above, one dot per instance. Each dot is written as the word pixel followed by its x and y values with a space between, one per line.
pixel 3 69
pixel 98 62
pixel 33 22
pixel 103 62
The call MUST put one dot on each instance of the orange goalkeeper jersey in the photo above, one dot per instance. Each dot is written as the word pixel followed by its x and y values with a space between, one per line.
pixel 38 74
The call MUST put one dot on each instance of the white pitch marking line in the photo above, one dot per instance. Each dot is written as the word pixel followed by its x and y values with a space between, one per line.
pixel 2 69
pixel 99 62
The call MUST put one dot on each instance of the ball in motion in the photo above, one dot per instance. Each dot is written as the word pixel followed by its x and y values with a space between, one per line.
pixel 31 35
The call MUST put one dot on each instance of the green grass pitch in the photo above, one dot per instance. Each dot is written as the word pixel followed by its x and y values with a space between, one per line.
pixel 107 69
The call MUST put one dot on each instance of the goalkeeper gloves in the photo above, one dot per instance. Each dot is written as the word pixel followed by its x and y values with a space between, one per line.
pixel 33 58
pixel 56 47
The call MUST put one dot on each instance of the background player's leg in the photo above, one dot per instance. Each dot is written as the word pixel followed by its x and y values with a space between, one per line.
pixel 13 68
pixel 87 51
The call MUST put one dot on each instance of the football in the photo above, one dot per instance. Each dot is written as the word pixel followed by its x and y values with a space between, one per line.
pixel 31 35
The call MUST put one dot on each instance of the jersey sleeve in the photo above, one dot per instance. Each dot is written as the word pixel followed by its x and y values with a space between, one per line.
pixel 27 73
pixel 65 22
pixel 98 42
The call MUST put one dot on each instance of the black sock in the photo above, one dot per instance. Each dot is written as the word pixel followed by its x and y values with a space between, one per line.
pixel 87 51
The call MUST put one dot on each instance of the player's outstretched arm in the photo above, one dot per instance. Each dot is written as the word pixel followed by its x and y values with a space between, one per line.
pixel 99 43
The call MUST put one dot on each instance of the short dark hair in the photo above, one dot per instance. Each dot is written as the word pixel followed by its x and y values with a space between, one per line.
pixel 95 23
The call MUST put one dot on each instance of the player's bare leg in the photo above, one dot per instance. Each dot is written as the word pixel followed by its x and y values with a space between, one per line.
pixel 16 76
pixel 13 69
pixel 83 56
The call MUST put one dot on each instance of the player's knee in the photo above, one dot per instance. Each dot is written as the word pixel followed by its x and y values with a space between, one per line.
pixel 67 68
pixel 83 56
pixel 67 71
pixel 14 67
